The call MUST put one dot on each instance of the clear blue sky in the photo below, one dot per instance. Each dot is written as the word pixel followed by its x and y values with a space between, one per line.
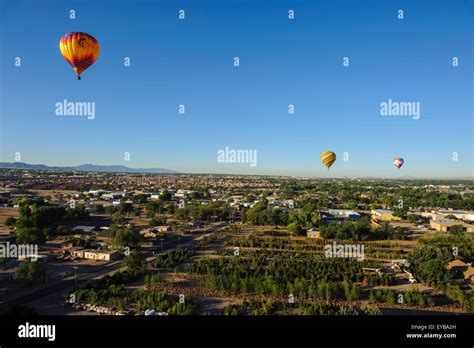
pixel 282 62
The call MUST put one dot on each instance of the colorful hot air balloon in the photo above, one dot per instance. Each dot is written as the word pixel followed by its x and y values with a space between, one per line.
pixel 398 162
pixel 328 158
pixel 80 50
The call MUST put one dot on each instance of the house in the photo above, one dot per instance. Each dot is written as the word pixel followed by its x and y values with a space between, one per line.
pixel 91 254
pixel 288 203
pixel 469 274
pixel 67 245
pixel 182 193
pixel 77 252
pixel 97 193
pixel 161 229
pixel 325 216
pixel 113 195
pixel 445 225
pixel 311 233
pixel 458 265
pixel 102 255
pixel 383 215
pixel 466 269
pixel 147 233
pixel 344 214
pixel 458 214
pixel 154 232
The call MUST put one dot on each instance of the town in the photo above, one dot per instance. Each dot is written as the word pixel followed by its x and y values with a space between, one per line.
pixel 176 244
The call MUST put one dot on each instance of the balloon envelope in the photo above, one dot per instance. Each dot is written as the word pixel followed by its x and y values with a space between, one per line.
pixel 80 50
pixel 398 162
pixel 328 158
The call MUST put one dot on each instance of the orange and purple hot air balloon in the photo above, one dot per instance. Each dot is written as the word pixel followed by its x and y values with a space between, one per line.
pixel 80 50
pixel 398 162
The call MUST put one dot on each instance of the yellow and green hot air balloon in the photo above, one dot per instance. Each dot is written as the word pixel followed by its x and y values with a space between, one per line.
pixel 328 158
pixel 80 50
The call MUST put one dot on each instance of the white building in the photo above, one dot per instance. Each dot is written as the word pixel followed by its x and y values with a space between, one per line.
pixel 345 214
pixel 113 195
pixel 90 254
pixel 458 214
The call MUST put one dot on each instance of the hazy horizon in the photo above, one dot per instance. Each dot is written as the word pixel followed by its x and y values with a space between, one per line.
pixel 173 171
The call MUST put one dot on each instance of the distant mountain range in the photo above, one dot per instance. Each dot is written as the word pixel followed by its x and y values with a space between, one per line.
pixel 87 168
pixel 125 169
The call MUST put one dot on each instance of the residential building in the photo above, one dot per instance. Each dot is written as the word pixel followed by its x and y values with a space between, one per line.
pixel 458 214
pixel 91 254
pixel 445 225
pixel 458 265
pixel 344 214
pixel 469 274
pixel 384 215
pixel 102 255
pixel 311 233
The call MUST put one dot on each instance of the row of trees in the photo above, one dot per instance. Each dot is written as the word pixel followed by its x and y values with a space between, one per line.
pixel 251 307
pixel 429 264
pixel 119 297
pixel 254 241
pixel 262 214
pixel 456 294
pixel 37 222
pixel 255 307
pixel 408 298
pixel 173 258
pixel 284 267
pixel 352 194
pixel 463 242
pixel 203 212
pixel 30 271
pixel 123 236
pixel 361 230
pixel 281 275
pixel 330 309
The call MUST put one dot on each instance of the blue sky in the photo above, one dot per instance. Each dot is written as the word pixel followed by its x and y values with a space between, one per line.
pixel 283 62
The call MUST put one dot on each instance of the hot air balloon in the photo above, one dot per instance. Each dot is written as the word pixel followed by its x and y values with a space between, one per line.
pixel 328 158
pixel 398 162
pixel 80 50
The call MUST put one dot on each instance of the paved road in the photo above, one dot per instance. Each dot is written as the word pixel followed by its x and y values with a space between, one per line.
pixel 57 288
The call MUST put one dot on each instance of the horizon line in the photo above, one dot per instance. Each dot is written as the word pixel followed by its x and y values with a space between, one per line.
pixel 175 172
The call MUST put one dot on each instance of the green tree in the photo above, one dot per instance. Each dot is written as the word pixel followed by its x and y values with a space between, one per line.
pixel 29 235
pixel 165 195
pixel 123 236
pixel 295 229
pixel 456 230
pixel 136 262
pixel 30 271
pixel 10 221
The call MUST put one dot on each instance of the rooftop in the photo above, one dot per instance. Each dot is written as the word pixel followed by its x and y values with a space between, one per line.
pixel 100 251
pixel 383 211
pixel 448 222
pixel 457 263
